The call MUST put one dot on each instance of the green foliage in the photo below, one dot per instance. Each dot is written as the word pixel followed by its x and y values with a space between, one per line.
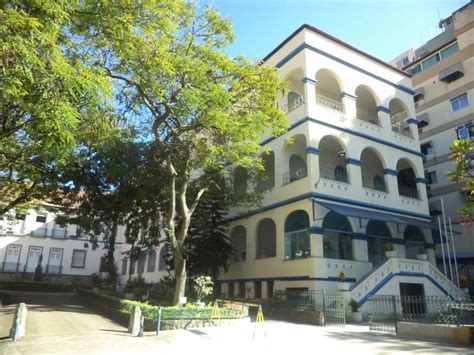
pixel 151 311
pixel 203 286
pixel 462 153
pixel 354 305
pixel 49 100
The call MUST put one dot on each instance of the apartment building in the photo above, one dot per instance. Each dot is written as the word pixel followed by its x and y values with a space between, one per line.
pixel 348 189
pixel 443 79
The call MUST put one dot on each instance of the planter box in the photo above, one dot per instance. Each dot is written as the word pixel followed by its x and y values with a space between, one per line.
pixel 356 317
pixel 423 257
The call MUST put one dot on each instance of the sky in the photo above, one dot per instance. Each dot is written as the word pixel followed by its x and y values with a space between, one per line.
pixel 382 28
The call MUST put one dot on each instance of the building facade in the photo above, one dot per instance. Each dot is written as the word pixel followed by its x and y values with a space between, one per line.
pixel 443 79
pixel 347 188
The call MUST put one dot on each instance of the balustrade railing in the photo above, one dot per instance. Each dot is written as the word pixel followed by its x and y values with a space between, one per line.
pixel 294 175
pixel 408 191
pixel 374 185
pixel 402 128
pixel 367 116
pixel 293 105
pixel 334 174
pixel 329 102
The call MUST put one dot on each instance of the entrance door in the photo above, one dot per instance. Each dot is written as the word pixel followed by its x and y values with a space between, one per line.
pixel 34 254
pixel 12 257
pixel 54 263
pixel 412 298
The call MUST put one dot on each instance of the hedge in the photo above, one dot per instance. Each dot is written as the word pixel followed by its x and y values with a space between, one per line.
pixel 171 313
pixel 35 286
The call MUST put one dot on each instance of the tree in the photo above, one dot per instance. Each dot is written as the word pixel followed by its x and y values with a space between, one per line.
pixel 49 100
pixel 106 186
pixel 204 111
pixel 462 153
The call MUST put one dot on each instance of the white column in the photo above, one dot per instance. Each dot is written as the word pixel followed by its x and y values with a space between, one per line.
pixel 349 104
pixel 309 95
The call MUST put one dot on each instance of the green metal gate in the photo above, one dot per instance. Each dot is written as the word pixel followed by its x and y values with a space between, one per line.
pixel 334 310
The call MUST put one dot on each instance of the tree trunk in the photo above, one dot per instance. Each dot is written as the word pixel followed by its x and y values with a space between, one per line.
pixel 180 278
pixel 110 258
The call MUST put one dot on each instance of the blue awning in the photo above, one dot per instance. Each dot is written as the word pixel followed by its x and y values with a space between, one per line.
pixel 363 213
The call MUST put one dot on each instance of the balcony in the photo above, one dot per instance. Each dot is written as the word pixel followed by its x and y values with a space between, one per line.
pixel 402 128
pixel 329 103
pixel 339 175
pixel 39 232
pixel 53 269
pixel 292 105
pixel 9 266
pixel 408 191
pixel 59 233
pixel 366 116
pixel 374 184
pixel 294 175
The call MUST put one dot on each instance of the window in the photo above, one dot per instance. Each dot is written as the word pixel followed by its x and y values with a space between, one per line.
pixel 465 131
pixel 78 258
pixel 41 219
pixel 459 102
pixel 151 261
pixel 297 242
pixel 141 264
pixel 337 237
pixel 426 148
pixel 431 177
pixel 431 61
pixel 103 264
pixel 446 52
pixel 20 217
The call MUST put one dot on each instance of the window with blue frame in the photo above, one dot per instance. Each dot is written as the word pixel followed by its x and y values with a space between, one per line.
pixel 337 237
pixel 459 102
pixel 297 242
pixel 465 131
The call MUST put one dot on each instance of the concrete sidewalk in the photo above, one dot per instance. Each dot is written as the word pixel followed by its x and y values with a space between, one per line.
pixel 65 324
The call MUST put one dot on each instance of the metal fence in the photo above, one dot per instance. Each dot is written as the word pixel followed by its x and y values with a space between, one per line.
pixel 385 311
pixel 332 305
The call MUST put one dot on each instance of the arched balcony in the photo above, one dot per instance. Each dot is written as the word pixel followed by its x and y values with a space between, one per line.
pixel 295 160
pixel 414 242
pixel 328 91
pixel 366 105
pixel 398 115
pixel 337 237
pixel 332 160
pixel 295 96
pixel 406 179
pixel 379 240
pixel 238 241
pixel 297 243
pixel 372 170
pixel 266 179
pixel 266 239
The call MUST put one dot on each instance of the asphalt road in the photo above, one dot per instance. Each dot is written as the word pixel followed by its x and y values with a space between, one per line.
pixel 66 324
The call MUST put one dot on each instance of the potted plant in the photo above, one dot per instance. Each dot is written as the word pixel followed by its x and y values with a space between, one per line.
pixel 343 285
pixel 464 283
pixel 389 252
pixel 421 255
pixel 203 287
pixel 356 314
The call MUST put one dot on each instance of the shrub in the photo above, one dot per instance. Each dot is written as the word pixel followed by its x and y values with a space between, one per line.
pixel 354 305
pixel 203 286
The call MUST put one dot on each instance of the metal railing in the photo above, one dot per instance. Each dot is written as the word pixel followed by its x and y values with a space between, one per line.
pixel 334 174
pixel 408 191
pixel 332 305
pixel 368 116
pixel 386 310
pixel 288 107
pixel 374 185
pixel 297 174
pixel 328 102
pixel 402 128
pixel 10 266
pixel 59 233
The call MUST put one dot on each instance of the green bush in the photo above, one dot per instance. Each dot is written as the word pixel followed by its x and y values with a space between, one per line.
pixel 151 311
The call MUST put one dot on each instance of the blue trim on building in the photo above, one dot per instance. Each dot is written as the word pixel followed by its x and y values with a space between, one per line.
pixel 346 94
pixel 413 121
pixel 359 236
pixel 354 161
pixel 330 198
pixel 403 273
pixel 303 46
pixel 309 80
pixel 347 130
pixel 420 180
pixel 316 230
pixel 312 150
pixel 290 278
pixel 398 241
pixel 390 172
pixel 383 109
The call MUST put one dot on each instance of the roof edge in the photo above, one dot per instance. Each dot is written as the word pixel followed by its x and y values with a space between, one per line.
pixel 336 40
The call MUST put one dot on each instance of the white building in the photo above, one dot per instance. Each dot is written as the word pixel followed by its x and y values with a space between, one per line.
pixel 65 252
pixel 349 187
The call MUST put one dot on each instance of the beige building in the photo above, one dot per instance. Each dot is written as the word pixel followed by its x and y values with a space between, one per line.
pixel 443 79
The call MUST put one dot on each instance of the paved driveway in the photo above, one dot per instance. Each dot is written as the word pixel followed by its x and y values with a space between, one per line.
pixel 65 324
